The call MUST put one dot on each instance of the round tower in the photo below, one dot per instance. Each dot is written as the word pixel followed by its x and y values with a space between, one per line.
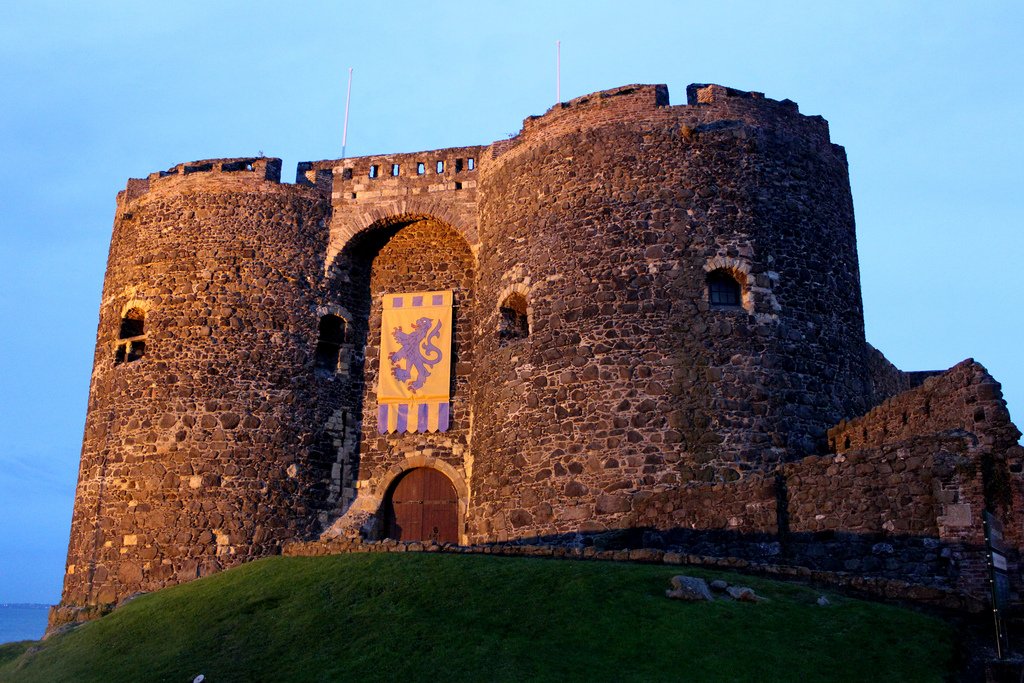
pixel 666 295
pixel 210 436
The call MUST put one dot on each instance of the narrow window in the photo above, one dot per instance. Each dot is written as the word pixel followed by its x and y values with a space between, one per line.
pixel 421 168
pixel 723 289
pixel 513 322
pixel 440 167
pixel 374 170
pixel 131 338
pixel 458 165
pixel 328 346
pixel 471 163
pixel 395 169
pixel 458 186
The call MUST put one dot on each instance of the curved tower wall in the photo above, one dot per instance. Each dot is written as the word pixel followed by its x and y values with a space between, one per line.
pixel 216 445
pixel 608 213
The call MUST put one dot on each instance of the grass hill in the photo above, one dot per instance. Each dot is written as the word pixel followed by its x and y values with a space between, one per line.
pixel 409 617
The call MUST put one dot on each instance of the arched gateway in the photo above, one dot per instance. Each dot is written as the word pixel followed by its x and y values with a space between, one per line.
pixel 422 506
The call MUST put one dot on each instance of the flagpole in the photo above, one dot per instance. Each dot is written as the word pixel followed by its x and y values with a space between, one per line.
pixel 348 99
pixel 558 71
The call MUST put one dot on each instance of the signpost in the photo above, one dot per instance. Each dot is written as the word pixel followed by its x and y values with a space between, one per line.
pixel 999 578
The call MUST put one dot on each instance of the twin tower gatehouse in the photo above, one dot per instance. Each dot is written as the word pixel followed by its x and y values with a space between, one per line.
pixel 632 316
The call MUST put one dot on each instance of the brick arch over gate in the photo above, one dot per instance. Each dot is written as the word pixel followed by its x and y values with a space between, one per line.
pixel 350 224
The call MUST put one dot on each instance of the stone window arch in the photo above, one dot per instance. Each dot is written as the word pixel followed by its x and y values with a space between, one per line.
pixel 513 318
pixel 333 333
pixel 724 290
pixel 131 336
pixel 728 285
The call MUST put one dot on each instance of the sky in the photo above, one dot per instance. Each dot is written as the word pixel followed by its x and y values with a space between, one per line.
pixel 926 98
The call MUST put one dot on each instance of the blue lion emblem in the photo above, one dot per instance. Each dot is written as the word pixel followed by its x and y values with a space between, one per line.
pixel 422 360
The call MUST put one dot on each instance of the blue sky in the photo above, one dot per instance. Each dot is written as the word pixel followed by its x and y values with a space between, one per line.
pixel 925 96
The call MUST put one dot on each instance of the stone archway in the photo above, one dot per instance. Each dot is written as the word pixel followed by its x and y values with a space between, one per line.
pixel 422 505
pixel 404 253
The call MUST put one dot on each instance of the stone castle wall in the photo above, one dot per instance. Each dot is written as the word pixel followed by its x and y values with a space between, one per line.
pixel 211 448
pixel 633 404
pixel 629 380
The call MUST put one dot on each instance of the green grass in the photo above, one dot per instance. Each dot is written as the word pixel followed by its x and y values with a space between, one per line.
pixel 408 617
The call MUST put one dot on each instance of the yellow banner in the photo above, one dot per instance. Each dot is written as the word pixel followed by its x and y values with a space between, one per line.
pixel 415 362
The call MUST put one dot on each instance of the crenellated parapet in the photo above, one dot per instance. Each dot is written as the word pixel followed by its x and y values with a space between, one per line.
pixel 205 174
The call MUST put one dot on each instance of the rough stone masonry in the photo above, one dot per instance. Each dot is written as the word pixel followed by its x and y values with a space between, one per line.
pixel 658 342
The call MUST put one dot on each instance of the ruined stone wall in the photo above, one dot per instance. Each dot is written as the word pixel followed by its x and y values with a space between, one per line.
pixel 967 403
pixel 883 511
pixel 899 511
pixel 886 379
pixel 883 491
pixel 214 446
pixel 965 397
pixel 629 380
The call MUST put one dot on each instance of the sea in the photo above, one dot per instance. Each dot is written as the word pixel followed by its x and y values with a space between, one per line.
pixel 22 621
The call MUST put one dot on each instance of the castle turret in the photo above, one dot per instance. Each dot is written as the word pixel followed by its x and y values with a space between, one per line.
pixel 209 434
pixel 687 289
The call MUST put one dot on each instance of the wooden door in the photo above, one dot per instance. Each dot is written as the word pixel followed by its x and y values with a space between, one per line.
pixel 423 506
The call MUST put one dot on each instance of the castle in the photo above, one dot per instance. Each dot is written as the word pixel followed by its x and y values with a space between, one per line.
pixel 654 323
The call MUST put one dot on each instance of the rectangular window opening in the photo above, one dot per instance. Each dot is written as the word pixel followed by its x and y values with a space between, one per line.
pixel 458 165
pixel 471 163
pixel 421 168
pixel 395 170
pixel 440 167
pixel 458 186
pixel 374 170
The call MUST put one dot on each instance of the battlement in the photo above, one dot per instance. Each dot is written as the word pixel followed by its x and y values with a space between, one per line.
pixel 236 168
pixel 708 107
pixel 440 182
pixel 432 170
pixel 711 93
pixel 620 102
pixel 262 168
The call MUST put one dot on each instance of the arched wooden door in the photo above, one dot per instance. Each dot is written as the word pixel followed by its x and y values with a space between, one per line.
pixel 423 506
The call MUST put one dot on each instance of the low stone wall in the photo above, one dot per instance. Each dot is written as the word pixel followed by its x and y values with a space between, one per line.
pixel 892 489
pixel 879 587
